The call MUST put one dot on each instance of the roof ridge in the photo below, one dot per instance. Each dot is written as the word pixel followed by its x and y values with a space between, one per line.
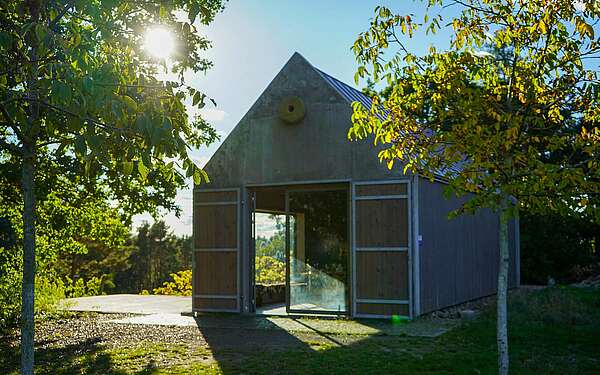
pixel 347 92
pixel 340 81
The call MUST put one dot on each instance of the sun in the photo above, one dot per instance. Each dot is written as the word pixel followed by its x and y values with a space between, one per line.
pixel 159 42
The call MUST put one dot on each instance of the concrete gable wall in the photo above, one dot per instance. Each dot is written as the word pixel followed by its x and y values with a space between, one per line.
pixel 263 149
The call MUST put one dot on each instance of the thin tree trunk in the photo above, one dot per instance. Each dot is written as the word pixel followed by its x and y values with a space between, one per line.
pixel 27 307
pixel 28 183
pixel 502 310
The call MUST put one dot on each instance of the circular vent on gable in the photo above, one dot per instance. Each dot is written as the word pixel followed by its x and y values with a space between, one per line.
pixel 291 110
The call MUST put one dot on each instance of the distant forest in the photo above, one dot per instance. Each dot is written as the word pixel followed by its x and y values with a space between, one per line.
pixel 143 262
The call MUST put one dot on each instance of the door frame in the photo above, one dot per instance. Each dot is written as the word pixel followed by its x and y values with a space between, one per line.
pixel 349 287
pixel 315 185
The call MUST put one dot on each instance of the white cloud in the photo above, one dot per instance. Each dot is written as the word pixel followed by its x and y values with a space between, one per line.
pixel 209 114
pixel 213 114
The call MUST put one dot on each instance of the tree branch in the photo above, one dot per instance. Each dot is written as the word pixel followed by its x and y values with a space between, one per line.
pixel 54 21
pixel 87 118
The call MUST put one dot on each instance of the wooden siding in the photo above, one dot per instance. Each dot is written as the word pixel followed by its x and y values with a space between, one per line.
pixel 216 274
pixel 382 223
pixel 381 189
pixel 458 257
pixel 382 275
pixel 381 249
pixel 215 226
pixel 216 251
pixel 210 304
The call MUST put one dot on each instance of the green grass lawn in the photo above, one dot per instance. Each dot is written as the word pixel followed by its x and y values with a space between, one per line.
pixel 552 331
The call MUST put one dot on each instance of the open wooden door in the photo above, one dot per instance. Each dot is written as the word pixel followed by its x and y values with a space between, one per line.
pixel 381 237
pixel 216 251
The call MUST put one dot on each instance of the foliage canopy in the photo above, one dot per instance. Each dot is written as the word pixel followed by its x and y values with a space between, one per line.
pixel 521 123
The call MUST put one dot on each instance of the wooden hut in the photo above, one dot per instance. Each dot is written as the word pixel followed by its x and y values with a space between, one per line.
pixel 361 240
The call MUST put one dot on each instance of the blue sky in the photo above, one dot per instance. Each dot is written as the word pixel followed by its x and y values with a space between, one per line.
pixel 253 39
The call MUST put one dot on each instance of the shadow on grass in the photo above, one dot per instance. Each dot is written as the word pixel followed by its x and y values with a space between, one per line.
pixel 552 331
pixel 86 357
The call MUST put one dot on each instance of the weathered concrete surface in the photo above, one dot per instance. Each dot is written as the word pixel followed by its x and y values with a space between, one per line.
pixel 129 303
pixel 263 149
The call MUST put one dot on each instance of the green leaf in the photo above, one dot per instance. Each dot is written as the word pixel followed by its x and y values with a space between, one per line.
pixel 40 32
pixel 127 167
pixel 5 40
pixel 131 104
pixel 193 13
pixel 143 171
pixel 163 12
pixel 197 98
pixel 197 177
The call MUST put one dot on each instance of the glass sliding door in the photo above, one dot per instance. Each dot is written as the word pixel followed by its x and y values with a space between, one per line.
pixel 317 245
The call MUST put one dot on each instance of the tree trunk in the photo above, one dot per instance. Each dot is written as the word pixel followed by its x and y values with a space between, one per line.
pixel 502 309
pixel 27 307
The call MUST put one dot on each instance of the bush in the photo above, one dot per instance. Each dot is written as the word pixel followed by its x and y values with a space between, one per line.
pixel 269 270
pixel 181 285
pixel 81 288
pixel 561 247
pixel 555 305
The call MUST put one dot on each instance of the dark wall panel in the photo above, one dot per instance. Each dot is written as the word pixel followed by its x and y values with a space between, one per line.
pixel 458 257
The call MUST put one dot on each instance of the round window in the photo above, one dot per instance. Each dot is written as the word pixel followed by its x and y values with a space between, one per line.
pixel 291 110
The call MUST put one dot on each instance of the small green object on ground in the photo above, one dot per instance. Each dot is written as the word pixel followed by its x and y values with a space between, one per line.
pixel 397 319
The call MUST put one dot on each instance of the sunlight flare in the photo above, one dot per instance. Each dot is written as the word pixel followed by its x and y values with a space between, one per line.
pixel 159 42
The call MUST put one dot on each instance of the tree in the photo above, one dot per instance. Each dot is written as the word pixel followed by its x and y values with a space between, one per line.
pixel 76 82
pixel 491 126
pixel 157 254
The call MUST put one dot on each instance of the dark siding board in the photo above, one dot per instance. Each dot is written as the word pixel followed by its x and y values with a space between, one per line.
pixel 458 257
